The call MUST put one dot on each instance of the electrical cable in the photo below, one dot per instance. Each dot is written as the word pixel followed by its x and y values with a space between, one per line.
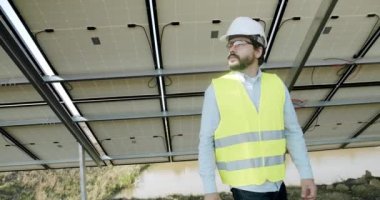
pixel 169 80
pixel 355 73
pixel 260 20
pixel 68 86
pixel 348 61
pixel 265 24
pixel 163 29
pixel 312 76
pixel 370 33
pixel 315 125
pixel 146 35
pixel 147 38
pixel 286 20
pixel 38 32
pixel 340 71
pixel 48 30
pixel 150 83
pixel 345 65
pixel 374 26
pixel 150 48
pixel 162 32
pixel 298 102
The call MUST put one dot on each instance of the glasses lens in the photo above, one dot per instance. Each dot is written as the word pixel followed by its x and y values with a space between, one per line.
pixel 236 43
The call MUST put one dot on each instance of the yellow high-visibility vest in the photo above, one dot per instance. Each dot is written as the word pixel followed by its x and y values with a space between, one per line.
pixel 250 144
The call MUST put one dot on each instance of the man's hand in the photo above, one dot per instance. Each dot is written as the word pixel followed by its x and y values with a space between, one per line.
pixel 308 189
pixel 212 196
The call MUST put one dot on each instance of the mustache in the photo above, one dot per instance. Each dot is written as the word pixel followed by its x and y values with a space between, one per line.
pixel 233 55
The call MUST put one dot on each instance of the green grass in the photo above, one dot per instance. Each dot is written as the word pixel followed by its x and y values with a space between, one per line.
pixel 105 182
pixel 102 183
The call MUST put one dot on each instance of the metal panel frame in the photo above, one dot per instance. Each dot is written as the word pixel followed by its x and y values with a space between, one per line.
pixel 274 28
pixel 167 114
pixel 182 71
pixel 361 130
pixel 315 30
pixel 21 147
pixel 350 68
pixel 159 73
pixel 157 57
pixel 185 94
pixel 167 154
pixel 22 59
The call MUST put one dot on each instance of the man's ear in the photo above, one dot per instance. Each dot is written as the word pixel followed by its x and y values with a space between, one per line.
pixel 258 52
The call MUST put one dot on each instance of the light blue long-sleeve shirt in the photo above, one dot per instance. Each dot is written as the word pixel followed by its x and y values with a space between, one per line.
pixel 210 120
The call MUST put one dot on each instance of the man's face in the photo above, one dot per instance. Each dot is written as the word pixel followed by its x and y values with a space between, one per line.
pixel 241 53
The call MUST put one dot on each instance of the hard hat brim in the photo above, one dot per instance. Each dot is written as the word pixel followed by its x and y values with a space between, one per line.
pixel 223 38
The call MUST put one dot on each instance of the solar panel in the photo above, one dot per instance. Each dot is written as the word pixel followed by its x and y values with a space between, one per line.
pixel 137 79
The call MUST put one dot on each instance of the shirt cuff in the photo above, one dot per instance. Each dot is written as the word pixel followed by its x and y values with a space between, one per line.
pixel 209 185
pixel 306 173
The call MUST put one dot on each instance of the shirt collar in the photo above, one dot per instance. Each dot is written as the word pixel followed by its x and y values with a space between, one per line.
pixel 245 78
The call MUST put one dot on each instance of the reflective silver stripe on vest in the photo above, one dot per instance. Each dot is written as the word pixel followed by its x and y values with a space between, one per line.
pixel 250 163
pixel 248 137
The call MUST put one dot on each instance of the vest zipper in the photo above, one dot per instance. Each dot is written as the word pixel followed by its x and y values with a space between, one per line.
pixel 261 149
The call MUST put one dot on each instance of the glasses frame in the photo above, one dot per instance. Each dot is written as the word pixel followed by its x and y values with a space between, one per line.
pixel 237 43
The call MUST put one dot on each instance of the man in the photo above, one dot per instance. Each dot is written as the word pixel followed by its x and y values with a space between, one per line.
pixel 248 121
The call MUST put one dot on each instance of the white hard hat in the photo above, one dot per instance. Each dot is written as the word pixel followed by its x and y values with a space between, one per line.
pixel 245 26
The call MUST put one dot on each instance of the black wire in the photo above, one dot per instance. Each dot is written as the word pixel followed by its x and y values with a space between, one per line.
pixel 284 22
pixel 69 86
pixel 355 72
pixel 147 38
pixel 265 24
pixel 298 102
pixel 150 85
pixel 150 82
pixel 339 72
pixel 374 26
pixel 162 31
pixel 312 76
pixel 170 81
pixel 293 18
pixel 315 125
pixel 348 61
pixel 38 32
pixel 377 21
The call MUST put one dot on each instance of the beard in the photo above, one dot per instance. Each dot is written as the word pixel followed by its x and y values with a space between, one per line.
pixel 241 64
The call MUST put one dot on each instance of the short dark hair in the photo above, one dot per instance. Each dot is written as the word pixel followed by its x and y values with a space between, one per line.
pixel 254 40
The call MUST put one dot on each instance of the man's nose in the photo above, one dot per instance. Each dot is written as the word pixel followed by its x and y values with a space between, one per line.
pixel 231 51
pixel 232 48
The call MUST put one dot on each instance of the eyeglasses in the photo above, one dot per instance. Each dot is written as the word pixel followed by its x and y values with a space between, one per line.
pixel 237 43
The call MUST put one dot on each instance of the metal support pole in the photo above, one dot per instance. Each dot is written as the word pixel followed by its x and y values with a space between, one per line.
pixel 315 30
pixel 82 173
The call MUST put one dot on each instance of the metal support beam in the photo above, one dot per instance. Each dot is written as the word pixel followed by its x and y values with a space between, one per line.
pixel 82 173
pixel 331 86
pixel 94 118
pixel 172 72
pixel 20 56
pixel 157 57
pixel 21 146
pixel 151 155
pixel 280 10
pixel 105 158
pixel 167 154
pixel 340 141
pixel 315 30
pixel 350 68
pixel 180 95
pixel 361 130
